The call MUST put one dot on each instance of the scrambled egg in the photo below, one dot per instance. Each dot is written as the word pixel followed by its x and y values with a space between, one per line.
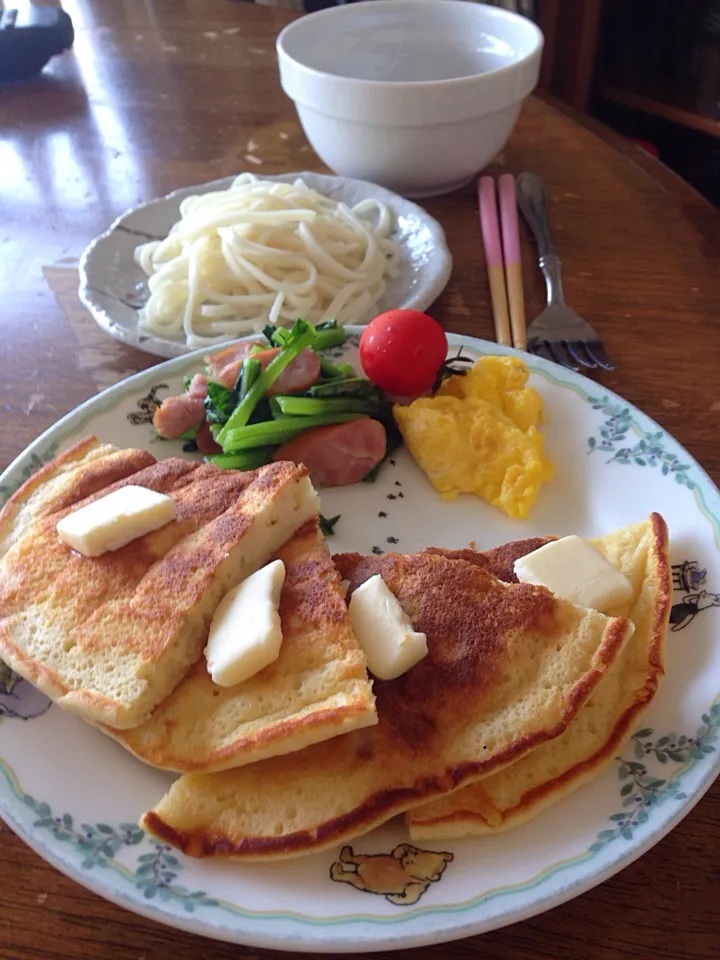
pixel 479 434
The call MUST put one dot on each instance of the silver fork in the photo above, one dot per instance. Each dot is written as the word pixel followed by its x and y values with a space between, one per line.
pixel 558 334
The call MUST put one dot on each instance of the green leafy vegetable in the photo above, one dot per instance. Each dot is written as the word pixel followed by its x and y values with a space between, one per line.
pixel 300 336
pixel 328 334
pixel 350 387
pixel 318 406
pixel 279 431
pixel 280 336
pixel 249 372
pixel 268 331
pixel 248 460
pixel 219 402
pixel 327 525
pixel 187 380
pixel 329 371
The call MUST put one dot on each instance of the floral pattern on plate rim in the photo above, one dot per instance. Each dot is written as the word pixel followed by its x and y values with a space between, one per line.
pixel 156 871
pixel 649 451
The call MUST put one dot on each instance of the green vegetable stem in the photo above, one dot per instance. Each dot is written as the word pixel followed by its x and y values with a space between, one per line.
pixel 274 432
pixel 327 335
pixel 248 460
pixel 249 372
pixel 300 337
pixel 318 406
pixel 350 387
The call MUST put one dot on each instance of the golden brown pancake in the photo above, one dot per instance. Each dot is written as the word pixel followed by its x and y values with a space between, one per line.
pixel 552 771
pixel 81 471
pixel 110 637
pixel 508 668
pixel 316 689
pixel 499 561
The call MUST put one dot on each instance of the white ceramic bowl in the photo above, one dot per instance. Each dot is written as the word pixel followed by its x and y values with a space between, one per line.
pixel 416 95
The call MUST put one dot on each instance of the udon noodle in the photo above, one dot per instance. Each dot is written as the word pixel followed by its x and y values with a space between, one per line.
pixel 265 251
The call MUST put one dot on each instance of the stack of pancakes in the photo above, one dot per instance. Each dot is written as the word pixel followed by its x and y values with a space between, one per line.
pixel 522 696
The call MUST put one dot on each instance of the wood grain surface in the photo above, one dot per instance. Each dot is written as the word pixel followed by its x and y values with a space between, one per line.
pixel 163 94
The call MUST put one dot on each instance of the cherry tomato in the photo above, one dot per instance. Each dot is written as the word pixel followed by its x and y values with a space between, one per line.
pixel 402 350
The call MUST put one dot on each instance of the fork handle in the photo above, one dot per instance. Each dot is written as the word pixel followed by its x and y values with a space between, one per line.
pixel 533 202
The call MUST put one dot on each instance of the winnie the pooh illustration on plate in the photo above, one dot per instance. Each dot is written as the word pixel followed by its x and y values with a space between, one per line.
pixel 402 876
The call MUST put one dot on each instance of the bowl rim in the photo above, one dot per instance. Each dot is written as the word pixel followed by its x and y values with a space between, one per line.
pixel 495 13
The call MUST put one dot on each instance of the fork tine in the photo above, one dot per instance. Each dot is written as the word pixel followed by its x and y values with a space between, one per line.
pixel 560 355
pixel 583 357
pixel 539 348
pixel 598 353
pixel 547 350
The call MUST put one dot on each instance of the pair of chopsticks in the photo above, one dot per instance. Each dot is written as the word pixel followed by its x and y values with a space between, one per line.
pixel 502 255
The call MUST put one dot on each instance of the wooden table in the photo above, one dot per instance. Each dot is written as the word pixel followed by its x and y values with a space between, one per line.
pixel 164 94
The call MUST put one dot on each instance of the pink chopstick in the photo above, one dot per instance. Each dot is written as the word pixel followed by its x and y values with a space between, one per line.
pixel 490 228
pixel 513 262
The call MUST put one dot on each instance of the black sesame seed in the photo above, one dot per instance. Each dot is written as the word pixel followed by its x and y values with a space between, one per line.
pixel 391 496
pixel 393 462
pixel 397 483
pixel 377 551
pixel 402 496
pixel 382 514
pixel 392 540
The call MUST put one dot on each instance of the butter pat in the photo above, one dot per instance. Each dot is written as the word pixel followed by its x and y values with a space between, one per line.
pixel 384 631
pixel 114 520
pixel 245 633
pixel 574 570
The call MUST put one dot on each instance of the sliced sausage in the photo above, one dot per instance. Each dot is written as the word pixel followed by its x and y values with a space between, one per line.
pixel 228 375
pixel 198 387
pixel 302 373
pixel 206 441
pixel 339 454
pixel 178 414
pixel 299 375
pixel 216 362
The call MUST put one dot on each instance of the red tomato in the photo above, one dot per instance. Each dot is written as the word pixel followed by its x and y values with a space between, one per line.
pixel 402 350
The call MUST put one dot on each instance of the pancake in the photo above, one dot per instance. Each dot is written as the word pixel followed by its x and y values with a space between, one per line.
pixel 110 637
pixel 552 771
pixel 508 667
pixel 316 689
pixel 81 471
pixel 499 561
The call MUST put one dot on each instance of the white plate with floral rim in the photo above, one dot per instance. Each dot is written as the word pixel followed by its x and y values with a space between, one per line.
pixel 114 288
pixel 75 796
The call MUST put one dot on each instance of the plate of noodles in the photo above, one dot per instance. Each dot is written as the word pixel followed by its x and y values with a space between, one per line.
pixel 210 263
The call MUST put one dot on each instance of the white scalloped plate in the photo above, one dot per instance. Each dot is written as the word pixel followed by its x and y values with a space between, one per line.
pixel 75 796
pixel 113 287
